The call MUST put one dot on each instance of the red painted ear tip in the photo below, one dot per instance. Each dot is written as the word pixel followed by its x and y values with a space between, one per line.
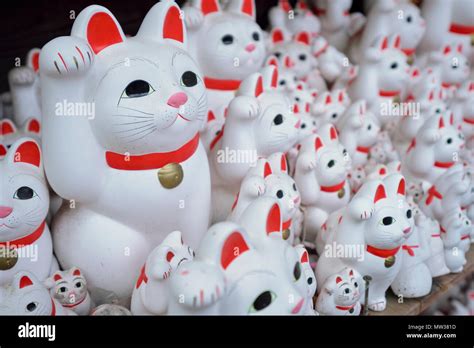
pixel 25 281
pixel 102 32
pixel 77 272
pixel 3 150
pixel 380 193
pixel 35 61
pixel 173 27
pixel 304 257
pixel 57 277
pixel 401 187
pixel 34 126
pixel 303 37
pixel 209 6
pixel 248 7
pixel 267 170
pixel 275 77
pixel 274 219
pixel 259 86
pixel 441 122
pixel 28 152
pixel 338 280
pixel 277 35
pixel 169 256
pixel 384 43
pixel 283 163
pixel 333 133
pixel 318 143
pixel 233 247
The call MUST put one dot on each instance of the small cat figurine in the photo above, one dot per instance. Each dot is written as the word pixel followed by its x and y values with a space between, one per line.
pixel 27 295
pixel 139 142
pixel 150 294
pixel 455 233
pixel 340 294
pixel 9 132
pixel 25 239
pixel 308 273
pixel 330 106
pixel 69 288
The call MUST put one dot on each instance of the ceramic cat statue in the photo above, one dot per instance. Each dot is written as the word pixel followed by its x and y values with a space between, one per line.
pixel 9 133
pixel 151 292
pixel 462 106
pixel 371 229
pixel 226 43
pixel 331 62
pixel 433 151
pixel 138 142
pixel 340 294
pixel 308 273
pixel 25 89
pixel 455 233
pixel 358 130
pixel 25 242
pixel 321 176
pixel 287 80
pixel 338 26
pixel 27 295
pixel 263 277
pixel 69 288
pixel 330 106
pixel 259 123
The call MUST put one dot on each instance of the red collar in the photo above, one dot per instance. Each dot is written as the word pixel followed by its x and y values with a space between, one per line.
pixel 334 188
pixel 322 11
pixel 382 252
pixel 409 249
pixel 53 308
pixel 217 138
pixel 344 308
pixel 435 235
pixel 222 85
pixel 383 93
pixel 432 194
pixel 441 229
pixel 468 120
pixel 363 149
pixel 322 50
pixel 72 305
pixel 443 164
pixel 286 225
pixel 412 145
pixel 27 240
pixel 461 29
pixel 152 160
pixel 466 236
pixel 142 278
pixel 408 51
pixel 448 85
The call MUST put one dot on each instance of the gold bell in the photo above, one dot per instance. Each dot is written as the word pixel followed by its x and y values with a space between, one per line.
pixel 389 261
pixel 341 193
pixel 171 175
pixel 8 258
pixel 286 234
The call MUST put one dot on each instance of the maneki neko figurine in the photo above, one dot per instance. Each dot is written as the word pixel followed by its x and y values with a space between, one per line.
pixel 9 132
pixel 374 226
pixel 259 123
pixel 455 233
pixel 227 44
pixel 133 161
pixel 25 242
pixel 25 89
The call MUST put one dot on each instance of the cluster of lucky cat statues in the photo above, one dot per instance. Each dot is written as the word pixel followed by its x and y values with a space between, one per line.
pixel 205 166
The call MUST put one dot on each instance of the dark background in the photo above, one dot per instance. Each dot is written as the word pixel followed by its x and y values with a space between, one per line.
pixel 28 24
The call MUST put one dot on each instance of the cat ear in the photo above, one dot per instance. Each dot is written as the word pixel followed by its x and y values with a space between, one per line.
pixel 207 6
pixel 304 257
pixel 351 272
pixel 252 86
pixel 340 97
pixel 32 59
pixel 32 125
pixel 441 122
pixel 57 277
pixel 332 133
pixel 7 127
pixel 164 22
pixel 27 151
pixel 328 99
pixel 285 5
pixel 270 77
pixel 246 7
pixel 381 43
pixel 234 242
pixel 447 50
pixel 379 193
pixel 303 37
pixel 272 60
pixel 283 164
pixel 451 119
pixel 338 280
pixel 277 35
pixel 76 272
pixel 3 150
pixel 23 279
pixel 262 218
pixel 318 143
pixel 99 27
pixel 267 170
pixel 395 42
pixel 210 116
pixel 278 162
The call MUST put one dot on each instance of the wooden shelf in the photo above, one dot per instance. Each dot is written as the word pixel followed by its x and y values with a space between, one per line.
pixel 441 286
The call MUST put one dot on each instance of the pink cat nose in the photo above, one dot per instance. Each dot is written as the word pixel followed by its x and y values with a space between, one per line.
pixel 250 47
pixel 298 306
pixel 407 230
pixel 177 99
pixel 5 211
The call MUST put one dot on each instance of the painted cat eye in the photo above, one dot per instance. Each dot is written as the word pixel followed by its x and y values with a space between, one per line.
pixel 388 220
pixel 189 79
pixel 228 39
pixel 256 36
pixel 278 119
pixel 30 307
pixel 279 194
pixel 137 89
pixel 24 193
pixel 297 271
pixel 262 301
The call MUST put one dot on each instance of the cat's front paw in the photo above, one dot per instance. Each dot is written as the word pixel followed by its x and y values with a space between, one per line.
pixel 193 17
pixel 357 22
pixel 378 305
pixel 253 186
pixel 307 161
pixel 244 107
pixel 22 76
pixel 431 136
pixel 65 56
pixel 361 208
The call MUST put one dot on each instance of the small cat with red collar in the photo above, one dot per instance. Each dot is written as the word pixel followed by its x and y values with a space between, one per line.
pixel 70 289
pixel 9 132
pixel 456 231
pixel 340 294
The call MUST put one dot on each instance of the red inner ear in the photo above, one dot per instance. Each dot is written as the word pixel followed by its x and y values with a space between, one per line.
pixel 76 272
pixel 299 87
pixel 382 171
pixel 333 133
pixel 384 43
pixel 451 119
pixel 57 277
pixel 328 99
pixel 401 187
pixel 102 32
pixel 233 247
pixel 341 97
pixel 304 257
pixel 248 7
pixel 259 86
pixel 446 50
pixel 318 143
pixel 285 5
pixel 209 6
pixel 210 116
pixel 25 281
pixel 380 193
pixel 34 126
pixel 35 61
pixel 3 150
pixel 267 170
pixel 283 163
pixel 351 273
pixel 273 61
pixel 296 109
pixel 274 219
pixel 28 152
pixel 397 42
pixel 303 37
pixel 169 256
pixel 275 77
pixel 338 280
pixel 441 123
pixel 7 128
pixel 277 36
pixel 173 25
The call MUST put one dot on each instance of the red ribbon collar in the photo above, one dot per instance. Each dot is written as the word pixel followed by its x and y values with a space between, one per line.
pixel 468 120
pixel 408 51
pixel 346 308
pixel 383 93
pixel 363 149
pixel 443 164
pixel 152 160
pixel 222 85
pixel 72 305
pixel 432 194
pixel 462 29
pixel 286 225
pixel 409 249
pixel 27 240
pixel 334 188
pixel 384 253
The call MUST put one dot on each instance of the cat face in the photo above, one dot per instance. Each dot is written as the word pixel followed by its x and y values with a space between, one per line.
pixel 344 287
pixel 330 106
pixel 229 44
pixel 26 295
pixel 9 133
pixel 393 68
pixel 455 66
pixel 451 140
pixel 68 287
pixel 411 27
pixel 24 197
pixel 362 122
pixel 287 81
pixel 310 284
